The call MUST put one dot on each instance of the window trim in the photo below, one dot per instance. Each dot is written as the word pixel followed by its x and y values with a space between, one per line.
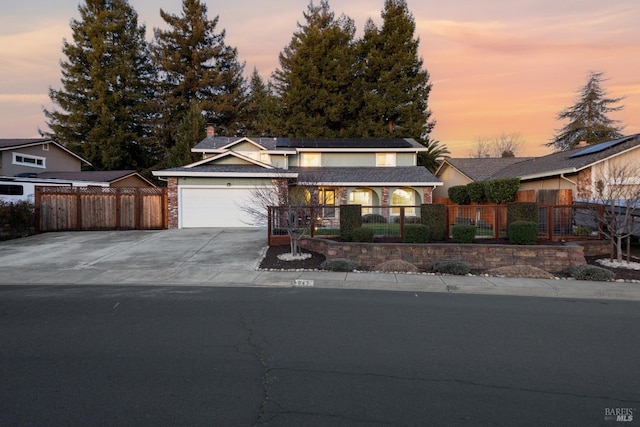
pixel 38 162
pixel 303 156
pixel 390 157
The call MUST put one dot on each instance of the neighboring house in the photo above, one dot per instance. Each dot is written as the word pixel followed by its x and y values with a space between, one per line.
pixel 578 170
pixel 462 171
pixel 33 156
pixel 27 163
pixel 211 192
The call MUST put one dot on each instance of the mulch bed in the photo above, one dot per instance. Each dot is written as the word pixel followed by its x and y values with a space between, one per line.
pixel 271 261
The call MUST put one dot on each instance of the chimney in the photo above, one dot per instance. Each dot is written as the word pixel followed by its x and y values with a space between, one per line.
pixel 211 130
pixel 582 143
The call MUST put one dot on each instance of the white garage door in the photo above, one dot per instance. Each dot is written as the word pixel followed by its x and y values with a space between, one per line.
pixel 213 207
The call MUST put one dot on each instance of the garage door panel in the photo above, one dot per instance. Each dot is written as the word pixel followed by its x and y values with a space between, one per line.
pixel 214 207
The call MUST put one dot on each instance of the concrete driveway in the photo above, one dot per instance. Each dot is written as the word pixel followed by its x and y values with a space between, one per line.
pixel 148 253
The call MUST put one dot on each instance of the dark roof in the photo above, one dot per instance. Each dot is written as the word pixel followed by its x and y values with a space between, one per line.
pixel 567 161
pixel 21 142
pixel 216 142
pixel 480 169
pixel 95 176
pixel 399 175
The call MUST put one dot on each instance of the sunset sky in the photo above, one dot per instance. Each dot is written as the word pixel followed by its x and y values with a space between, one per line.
pixel 496 65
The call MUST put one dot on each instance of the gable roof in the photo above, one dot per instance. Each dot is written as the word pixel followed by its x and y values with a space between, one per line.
pixel 95 176
pixel 229 154
pixel 480 169
pixel 569 161
pixel 214 143
pixel 16 143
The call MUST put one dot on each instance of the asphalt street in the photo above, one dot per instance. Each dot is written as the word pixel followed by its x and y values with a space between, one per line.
pixel 180 355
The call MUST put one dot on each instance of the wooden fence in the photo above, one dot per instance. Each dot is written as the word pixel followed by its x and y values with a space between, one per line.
pixel 100 208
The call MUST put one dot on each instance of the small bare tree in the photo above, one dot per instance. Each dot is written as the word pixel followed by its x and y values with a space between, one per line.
pixel 502 145
pixel 290 199
pixel 619 193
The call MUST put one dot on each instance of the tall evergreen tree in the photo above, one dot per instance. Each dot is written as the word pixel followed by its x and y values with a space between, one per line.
pixel 106 87
pixel 260 108
pixel 190 130
pixel 195 64
pixel 588 120
pixel 316 76
pixel 395 85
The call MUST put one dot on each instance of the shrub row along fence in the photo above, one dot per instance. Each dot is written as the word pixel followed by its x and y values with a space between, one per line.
pixel 100 208
pixel 554 222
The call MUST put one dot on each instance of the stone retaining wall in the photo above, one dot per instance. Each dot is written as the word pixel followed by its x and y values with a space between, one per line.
pixel 552 258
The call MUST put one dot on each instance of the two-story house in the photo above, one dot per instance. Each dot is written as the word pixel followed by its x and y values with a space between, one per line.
pixel 369 172
pixel 29 162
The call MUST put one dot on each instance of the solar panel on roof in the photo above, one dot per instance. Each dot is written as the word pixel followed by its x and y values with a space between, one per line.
pixel 596 148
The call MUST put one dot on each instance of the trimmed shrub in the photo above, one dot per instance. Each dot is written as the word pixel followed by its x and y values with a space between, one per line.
pixel 16 219
pixel 522 211
pixel 450 266
pixel 435 217
pixel 502 190
pixel 590 272
pixel 463 233
pixel 476 191
pixel 416 233
pixel 338 264
pixel 462 220
pixel 362 234
pixel 459 194
pixel 397 265
pixel 373 219
pixel 523 233
pixel 350 219
pixel 408 220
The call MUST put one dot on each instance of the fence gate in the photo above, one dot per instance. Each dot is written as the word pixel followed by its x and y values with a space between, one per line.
pixel 100 208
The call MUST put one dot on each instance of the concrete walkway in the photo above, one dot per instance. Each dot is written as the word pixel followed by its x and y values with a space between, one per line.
pixel 229 257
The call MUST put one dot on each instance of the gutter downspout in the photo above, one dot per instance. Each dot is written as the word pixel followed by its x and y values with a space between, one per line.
pixel 567 179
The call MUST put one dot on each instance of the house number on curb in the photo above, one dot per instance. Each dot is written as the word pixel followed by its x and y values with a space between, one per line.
pixel 302 283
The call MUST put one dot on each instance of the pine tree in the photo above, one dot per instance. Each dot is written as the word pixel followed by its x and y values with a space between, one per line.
pixel 316 76
pixel 588 119
pixel 395 85
pixel 191 129
pixel 260 108
pixel 195 64
pixel 106 80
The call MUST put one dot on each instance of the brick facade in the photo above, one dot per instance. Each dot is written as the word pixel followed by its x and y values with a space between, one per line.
pixel 172 196
pixel 584 189
pixel 552 258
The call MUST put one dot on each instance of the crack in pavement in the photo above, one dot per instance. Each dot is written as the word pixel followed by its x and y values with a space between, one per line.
pixel 259 354
pixel 457 381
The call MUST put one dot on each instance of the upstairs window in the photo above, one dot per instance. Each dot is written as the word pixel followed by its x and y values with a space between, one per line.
pixel 385 159
pixel 28 160
pixel 310 159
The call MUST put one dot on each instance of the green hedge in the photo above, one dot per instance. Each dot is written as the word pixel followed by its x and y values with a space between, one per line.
pixel 463 233
pixel 435 217
pixel 362 234
pixel 459 194
pixel 373 219
pixel 523 233
pixel 350 219
pixel 16 219
pixel 477 192
pixel 502 190
pixel 416 233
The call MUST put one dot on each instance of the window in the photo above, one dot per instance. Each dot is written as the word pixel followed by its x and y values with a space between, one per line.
pixel 45 147
pixel 403 197
pixel 309 159
pixel 27 160
pixel 361 197
pixel 385 159
pixel 327 199
pixel 11 190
